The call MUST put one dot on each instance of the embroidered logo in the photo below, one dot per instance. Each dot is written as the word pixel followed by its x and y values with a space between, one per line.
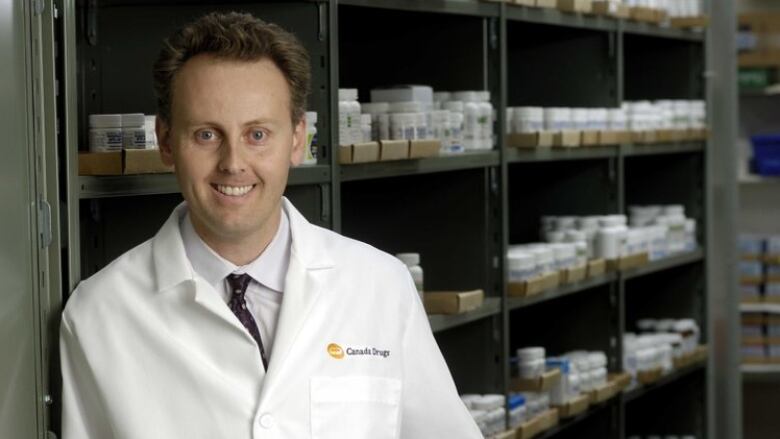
pixel 335 351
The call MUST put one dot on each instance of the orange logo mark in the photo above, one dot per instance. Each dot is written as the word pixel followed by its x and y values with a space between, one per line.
pixel 335 351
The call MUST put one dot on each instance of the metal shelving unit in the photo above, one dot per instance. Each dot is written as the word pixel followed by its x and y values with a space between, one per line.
pixel 666 380
pixel 665 264
pixel 471 160
pixel 440 322
pixel 464 208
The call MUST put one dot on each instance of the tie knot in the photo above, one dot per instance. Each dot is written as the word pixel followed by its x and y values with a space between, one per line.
pixel 238 282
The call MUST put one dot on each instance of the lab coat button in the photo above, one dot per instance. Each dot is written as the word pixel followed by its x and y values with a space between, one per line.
pixel 267 421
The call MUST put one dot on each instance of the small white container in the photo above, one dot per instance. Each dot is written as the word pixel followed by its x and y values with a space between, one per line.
pixel 420 126
pixel 412 261
pixel 529 354
pixel 489 402
pixel 133 131
pixel 609 242
pixel 455 145
pixel 403 126
pixel 151 133
pixel 522 266
pixel 528 120
pixel 309 154
pixel 579 118
pixel 380 119
pixel 105 132
pixel 531 369
pixel 558 119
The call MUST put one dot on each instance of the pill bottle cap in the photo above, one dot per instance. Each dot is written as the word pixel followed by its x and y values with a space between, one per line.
pixel 132 120
pixel 348 94
pixel 105 120
pixel 410 259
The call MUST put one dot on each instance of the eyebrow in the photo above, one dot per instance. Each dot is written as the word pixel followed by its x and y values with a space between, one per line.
pixel 258 121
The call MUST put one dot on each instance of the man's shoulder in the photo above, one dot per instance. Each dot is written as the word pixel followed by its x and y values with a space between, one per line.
pixel 131 272
pixel 357 252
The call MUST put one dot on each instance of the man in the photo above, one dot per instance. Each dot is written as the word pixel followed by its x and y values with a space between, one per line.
pixel 239 319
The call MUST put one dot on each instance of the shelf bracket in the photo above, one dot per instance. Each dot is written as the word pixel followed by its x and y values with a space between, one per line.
pixel 92 8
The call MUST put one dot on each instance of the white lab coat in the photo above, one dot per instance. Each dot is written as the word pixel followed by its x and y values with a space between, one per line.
pixel 150 350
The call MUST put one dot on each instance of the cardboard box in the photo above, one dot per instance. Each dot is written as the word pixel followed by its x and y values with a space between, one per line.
pixel 754 319
pixel 603 393
pixel 611 9
pixel 345 154
pixel 552 280
pixel 453 302
pixel 624 136
pixel 509 434
pixel 524 2
pixel 540 423
pixel 628 262
pixel 620 381
pixel 701 354
pixel 607 138
pixel 100 163
pixel 590 138
pixel 365 152
pixel 772 259
pixel 528 288
pixel 754 360
pixel 530 140
pixel 567 139
pixel 545 3
pixel 539 384
pixel 393 150
pixel 597 267
pixel 646 15
pixel 424 148
pixel 574 406
pixel 650 376
pixel 575 6
pixel 572 275
pixel 144 161
pixel 751 280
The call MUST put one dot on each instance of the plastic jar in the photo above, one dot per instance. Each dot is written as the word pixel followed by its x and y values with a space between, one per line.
pixel 420 126
pixel 617 119
pixel 609 242
pixel 365 127
pixel 565 255
pixel 439 129
pixel 558 119
pixel 309 154
pixel 455 145
pixel 412 261
pixel 531 369
pixel 545 259
pixel 599 377
pixel 441 97
pixel 380 119
pixel 559 393
pixel 528 120
pixel 472 128
pixel 554 236
pixel 151 135
pixel 530 354
pixel 402 126
pixel 579 118
pixel 133 131
pixel 349 117
pixel 517 411
pixel 564 223
pixel 486 119
pixel 489 402
pixel 598 119
pixel 105 132
pixel 522 266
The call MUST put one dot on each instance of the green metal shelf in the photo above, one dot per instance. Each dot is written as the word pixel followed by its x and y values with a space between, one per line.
pixel 672 377
pixel 664 264
pixel 473 8
pixel 661 148
pixel 472 160
pixel 568 423
pixel 555 17
pixel 157 184
pixel 561 291
pixel 440 322
pixel 529 155
pixel 652 30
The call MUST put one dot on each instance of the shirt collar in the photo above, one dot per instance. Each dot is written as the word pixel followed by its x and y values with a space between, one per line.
pixel 269 269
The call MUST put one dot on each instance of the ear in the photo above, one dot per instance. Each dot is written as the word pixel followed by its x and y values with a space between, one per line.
pixel 163 131
pixel 299 143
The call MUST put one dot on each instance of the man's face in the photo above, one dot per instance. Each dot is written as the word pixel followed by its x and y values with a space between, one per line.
pixel 232 142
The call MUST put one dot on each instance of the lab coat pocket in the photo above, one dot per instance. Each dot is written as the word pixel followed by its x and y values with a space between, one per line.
pixel 356 407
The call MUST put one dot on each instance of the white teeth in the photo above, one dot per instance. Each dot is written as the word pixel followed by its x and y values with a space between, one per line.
pixel 234 191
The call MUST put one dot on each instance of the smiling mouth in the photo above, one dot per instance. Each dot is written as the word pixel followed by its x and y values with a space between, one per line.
pixel 233 191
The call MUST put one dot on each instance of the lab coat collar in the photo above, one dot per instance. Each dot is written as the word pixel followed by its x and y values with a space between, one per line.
pixel 172 266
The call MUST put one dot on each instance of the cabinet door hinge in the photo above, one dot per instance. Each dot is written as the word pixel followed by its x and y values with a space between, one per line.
pixel 44 222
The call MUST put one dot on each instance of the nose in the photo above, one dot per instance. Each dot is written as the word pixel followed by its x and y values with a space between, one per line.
pixel 231 160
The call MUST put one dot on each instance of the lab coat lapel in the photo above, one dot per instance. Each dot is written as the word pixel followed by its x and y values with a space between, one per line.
pixel 310 262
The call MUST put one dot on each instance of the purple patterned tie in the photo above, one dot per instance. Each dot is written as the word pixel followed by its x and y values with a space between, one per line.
pixel 237 304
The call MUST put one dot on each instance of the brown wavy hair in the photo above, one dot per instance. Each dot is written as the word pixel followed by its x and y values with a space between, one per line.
pixel 234 36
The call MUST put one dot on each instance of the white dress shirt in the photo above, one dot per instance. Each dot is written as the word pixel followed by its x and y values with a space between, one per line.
pixel 264 293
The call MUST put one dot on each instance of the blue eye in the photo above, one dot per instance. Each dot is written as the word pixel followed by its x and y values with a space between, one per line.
pixel 206 135
pixel 258 135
